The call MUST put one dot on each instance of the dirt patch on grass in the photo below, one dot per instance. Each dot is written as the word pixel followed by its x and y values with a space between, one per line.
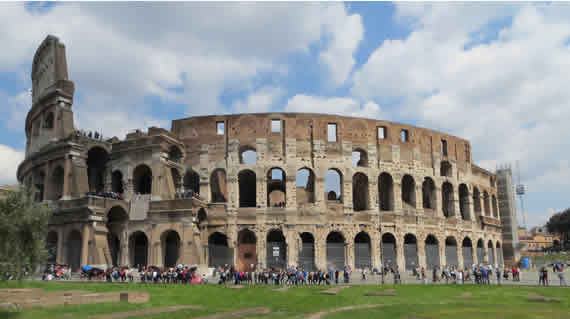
pixel 322 314
pixel 143 312
pixel 333 291
pixel 386 292
pixel 282 289
pixel 34 297
pixel 539 298
pixel 466 295
pixel 238 313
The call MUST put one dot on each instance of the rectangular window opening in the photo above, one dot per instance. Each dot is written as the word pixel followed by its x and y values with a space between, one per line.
pixel 381 132
pixel 220 128
pixel 332 132
pixel 405 137
pixel 444 147
pixel 275 126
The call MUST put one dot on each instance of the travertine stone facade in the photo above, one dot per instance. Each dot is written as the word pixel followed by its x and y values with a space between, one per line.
pixel 264 183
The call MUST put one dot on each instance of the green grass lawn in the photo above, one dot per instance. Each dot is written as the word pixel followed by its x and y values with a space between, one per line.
pixel 411 301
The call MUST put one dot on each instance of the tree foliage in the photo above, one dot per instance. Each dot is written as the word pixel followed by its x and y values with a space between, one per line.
pixel 23 231
pixel 559 223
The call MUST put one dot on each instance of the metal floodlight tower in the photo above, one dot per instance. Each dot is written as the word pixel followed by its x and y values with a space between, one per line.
pixel 520 191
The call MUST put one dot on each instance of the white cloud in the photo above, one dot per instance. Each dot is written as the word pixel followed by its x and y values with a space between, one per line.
pixel 334 105
pixel 508 96
pixel 258 101
pixel 9 161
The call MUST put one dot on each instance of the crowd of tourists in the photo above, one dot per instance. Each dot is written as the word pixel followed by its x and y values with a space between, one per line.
pixel 557 268
pixel 181 274
pixel 290 276
pixel 478 274
pixel 111 195
pixel 57 272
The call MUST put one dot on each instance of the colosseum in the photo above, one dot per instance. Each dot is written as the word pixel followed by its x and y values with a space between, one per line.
pixel 258 190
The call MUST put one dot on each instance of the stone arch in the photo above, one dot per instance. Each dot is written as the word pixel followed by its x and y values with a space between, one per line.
pixel 117 185
pixel 388 250
pixel 219 252
pixel 307 252
pixel 451 256
pixel 410 251
pixel 447 198
pixel 445 169
pixel 247 255
pixel 247 188
pixel 491 252
pixel 191 181
pixel 464 202
pixel 174 154
pixel 171 243
pixel 480 251
pixel 428 193
pixel 276 187
pixel 362 251
pixel 49 121
pixel 51 247
pixel 467 252
pixel 276 257
pixel 73 247
pixel 409 191
pixel 476 200
pixel 335 250
pixel 432 251
pixel 247 155
pixel 305 182
pixel 359 157
pixel 486 202
pixel 57 180
pixel 333 184
pixel 218 186
pixel 142 179
pixel 360 192
pixel 138 249
pixel 386 192
pixel 97 158
pixel 494 204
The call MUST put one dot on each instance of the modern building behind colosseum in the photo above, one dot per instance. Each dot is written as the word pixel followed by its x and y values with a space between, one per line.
pixel 275 189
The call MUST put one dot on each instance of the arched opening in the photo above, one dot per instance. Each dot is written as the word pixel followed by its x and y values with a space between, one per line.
pixel 360 192
pixel 174 154
pixel 362 251
pixel 464 202
pixel 476 201
pixel 138 249
pixel 142 179
pixel 335 250
pixel 219 253
pixel 359 158
pixel 73 245
pixel 97 159
pixel 486 202
pixel 447 199
pixel 480 252
pixel 247 256
pixel 451 258
pixel 386 192
pixel 171 248
pixel 116 219
pixel 49 121
pixel 555 243
pixel 191 182
pixel 51 247
pixel 491 252
pixel 56 185
pixel 176 179
pixel 388 247
pixel 432 252
pixel 494 204
pixel 276 188
pixel 333 185
pixel 307 253
pixel 117 182
pixel 409 191
pixel 247 188
pixel 305 182
pixel 276 250
pixel 218 186
pixel 247 155
pixel 499 254
pixel 445 169
pixel 467 252
pixel 428 193
pixel 410 251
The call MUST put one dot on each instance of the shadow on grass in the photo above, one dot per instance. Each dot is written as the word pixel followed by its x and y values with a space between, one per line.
pixel 8 314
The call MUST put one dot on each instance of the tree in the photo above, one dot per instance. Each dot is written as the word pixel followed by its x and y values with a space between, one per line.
pixel 23 232
pixel 559 223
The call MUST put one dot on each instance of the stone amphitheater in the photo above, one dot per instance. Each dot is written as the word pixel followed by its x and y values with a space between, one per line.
pixel 259 190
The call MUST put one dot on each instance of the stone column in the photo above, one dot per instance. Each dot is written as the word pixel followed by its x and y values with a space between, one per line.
pixel 260 247
pixel 474 252
pixel 292 242
pixel 460 262
pixel 320 252
pixel 375 250
pixel 373 193
pixel 60 257
pixel 398 205
pixel 441 246
pixel 47 182
pixel 85 235
pixel 439 200
pixel 400 259
pixel 419 196
pixel 291 189
pixel 66 194
pixel 124 248
pixel 421 250
pixel 349 253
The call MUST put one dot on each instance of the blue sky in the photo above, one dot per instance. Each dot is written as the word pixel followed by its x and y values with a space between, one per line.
pixel 492 73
